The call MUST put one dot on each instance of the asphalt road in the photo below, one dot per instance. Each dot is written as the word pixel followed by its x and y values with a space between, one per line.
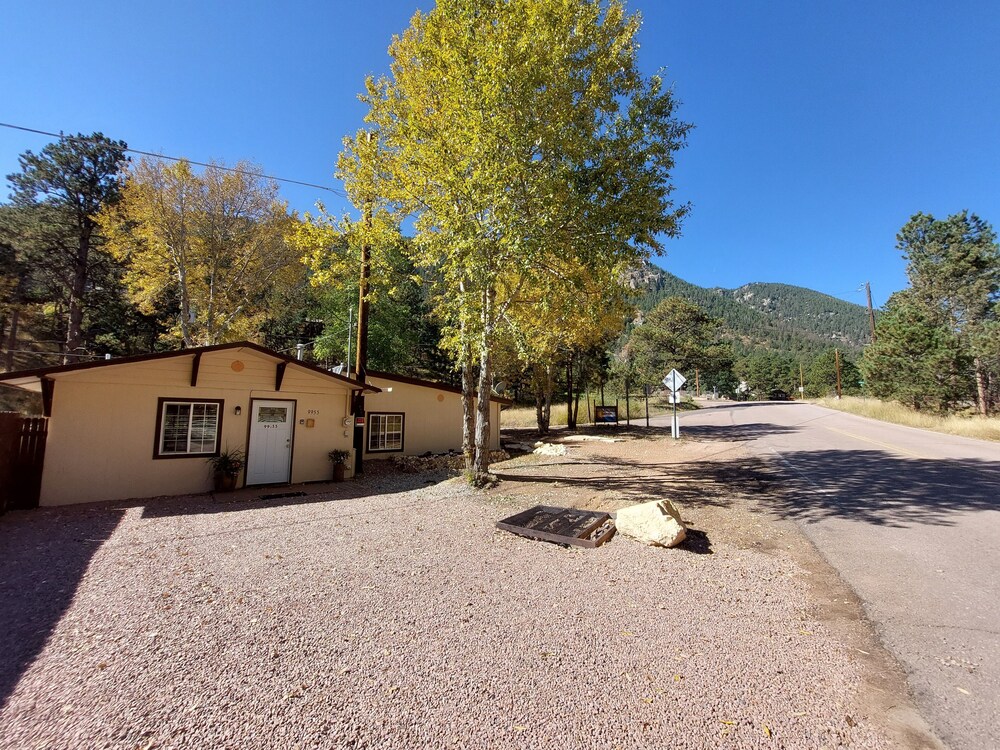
pixel 911 520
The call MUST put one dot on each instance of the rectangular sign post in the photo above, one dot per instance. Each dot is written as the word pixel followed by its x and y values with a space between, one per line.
pixel 675 381
pixel 605 414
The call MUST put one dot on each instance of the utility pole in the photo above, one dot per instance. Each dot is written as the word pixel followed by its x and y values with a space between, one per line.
pixel 628 408
pixel 350 335
pixel 361 363
pixel 836 356
pixel 697 387
pixel 871 312
pixel 361 368
pixel 802 383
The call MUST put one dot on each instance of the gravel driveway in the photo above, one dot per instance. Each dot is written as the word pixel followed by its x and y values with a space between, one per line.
pixel 401 619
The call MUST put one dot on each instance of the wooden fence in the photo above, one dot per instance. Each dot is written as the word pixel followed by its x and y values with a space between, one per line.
pixel 22 453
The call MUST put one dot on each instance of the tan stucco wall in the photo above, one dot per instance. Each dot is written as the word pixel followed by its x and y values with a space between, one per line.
pixel 103 424
pixel 433 420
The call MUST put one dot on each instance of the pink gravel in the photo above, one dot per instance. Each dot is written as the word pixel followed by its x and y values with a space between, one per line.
pixel 400 620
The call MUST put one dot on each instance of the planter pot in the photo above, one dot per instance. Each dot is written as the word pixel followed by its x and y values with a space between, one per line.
pixel 338 472
pixel 225 482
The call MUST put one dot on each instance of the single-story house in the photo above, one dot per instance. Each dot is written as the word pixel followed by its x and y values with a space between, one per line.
pixel 145 426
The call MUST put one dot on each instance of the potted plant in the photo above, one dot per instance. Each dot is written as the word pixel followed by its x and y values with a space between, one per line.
pixel 339 459
pixel 226 468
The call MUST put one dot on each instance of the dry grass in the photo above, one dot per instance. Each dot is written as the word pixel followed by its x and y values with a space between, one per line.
pixel 523 417
pixel 890 411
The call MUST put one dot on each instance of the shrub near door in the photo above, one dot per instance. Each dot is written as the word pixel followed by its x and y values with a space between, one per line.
pixel 339 459
pixel 226 468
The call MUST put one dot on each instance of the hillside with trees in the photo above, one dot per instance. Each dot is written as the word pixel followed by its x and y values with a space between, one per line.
pixel 776 317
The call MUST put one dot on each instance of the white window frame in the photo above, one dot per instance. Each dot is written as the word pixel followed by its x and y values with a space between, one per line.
pixel 164 403
pixel 378 432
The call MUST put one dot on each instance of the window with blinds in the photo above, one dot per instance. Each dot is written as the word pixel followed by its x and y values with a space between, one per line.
pixel 385 432
pixel 188 428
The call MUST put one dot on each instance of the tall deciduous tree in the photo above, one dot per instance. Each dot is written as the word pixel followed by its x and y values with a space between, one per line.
pixel 212 244
pixel 70 181
pixel 516 132
pixel 954 272
pixel 551 327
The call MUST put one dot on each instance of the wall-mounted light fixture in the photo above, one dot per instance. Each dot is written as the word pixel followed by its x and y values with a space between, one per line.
pixel 238 410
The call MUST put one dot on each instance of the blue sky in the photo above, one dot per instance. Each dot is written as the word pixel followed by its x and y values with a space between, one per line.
pixel 820 127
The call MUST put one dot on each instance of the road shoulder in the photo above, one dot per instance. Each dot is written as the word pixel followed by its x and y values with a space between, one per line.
pixel 722 492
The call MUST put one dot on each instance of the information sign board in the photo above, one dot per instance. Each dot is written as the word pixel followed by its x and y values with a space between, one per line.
pixel 606 414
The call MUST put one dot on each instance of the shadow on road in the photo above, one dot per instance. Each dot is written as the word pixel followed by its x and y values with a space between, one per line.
pixel 868 486
pixel 879 488
pixel 737 433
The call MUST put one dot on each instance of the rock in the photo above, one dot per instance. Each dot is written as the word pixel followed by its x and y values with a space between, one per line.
pixel 521 447
pixel 656 523
pixel 548 449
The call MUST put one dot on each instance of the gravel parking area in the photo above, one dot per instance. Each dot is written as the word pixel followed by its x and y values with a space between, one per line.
pixel 400 619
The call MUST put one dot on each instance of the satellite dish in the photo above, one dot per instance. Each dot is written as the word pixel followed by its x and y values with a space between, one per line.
pixel 498 388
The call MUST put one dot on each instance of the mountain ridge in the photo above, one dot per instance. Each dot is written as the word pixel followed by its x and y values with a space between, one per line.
pixel 763 315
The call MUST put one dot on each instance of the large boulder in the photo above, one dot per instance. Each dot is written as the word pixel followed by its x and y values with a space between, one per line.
pixel 549 449
pixel 656 523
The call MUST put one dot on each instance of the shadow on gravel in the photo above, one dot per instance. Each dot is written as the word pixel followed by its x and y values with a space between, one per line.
pixel 869 486
pixel 43 556
pixel 696 541
pixel 698 483
pixel 636 431
pixel 379 482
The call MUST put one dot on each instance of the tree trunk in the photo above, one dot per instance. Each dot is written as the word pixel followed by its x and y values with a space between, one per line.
pixel 468 413
pixel 481 466
pixel 542 384
pixel 550 385
pixel 15 317
pixel 185 308
pixel 570 415
pixel 74 329
pixel 982 395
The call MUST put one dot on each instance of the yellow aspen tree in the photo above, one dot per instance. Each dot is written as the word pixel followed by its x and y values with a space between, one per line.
pixel 516 135
pixel 211 244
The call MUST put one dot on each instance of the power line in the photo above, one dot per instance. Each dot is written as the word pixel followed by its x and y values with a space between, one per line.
pixel 63 137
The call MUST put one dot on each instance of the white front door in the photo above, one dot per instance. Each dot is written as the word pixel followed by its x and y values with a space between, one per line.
pixel 269 460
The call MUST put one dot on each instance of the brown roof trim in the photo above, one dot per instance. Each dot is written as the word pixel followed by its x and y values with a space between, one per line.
pixel 194 350
pixel 431 384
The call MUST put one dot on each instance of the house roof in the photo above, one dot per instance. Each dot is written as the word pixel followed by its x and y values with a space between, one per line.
pixel 31 379
pixel 430 384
